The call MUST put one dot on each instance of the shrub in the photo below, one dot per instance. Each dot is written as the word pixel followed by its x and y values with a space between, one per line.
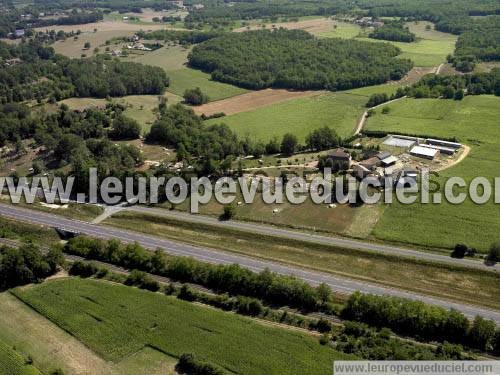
pixel 494 252
pixel 249 306
pixel 195 97
pixel 142 280
pixel 82 269
pixel 229 212
pixel 188 364
pixel 481 334
pixel 459 251
pixel 125 128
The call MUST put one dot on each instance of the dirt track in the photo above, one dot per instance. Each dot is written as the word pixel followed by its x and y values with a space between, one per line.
pixel 251 100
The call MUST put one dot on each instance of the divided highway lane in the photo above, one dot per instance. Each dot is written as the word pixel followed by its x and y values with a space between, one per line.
pixel 337 284
pixel 314 238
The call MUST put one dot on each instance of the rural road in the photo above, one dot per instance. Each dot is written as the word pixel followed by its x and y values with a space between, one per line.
pixel 313 238
pixel 339 285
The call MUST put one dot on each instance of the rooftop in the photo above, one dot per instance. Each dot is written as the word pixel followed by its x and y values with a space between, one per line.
pixel 424 151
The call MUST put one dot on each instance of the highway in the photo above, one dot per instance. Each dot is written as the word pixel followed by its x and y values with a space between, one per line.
pixel 314 238
pixel 340 285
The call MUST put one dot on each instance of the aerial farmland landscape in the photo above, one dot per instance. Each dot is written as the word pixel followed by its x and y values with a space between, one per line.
pixel 249 187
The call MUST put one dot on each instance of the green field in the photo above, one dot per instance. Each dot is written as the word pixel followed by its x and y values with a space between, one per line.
pixel 430 49
pixel 339 111
pixel 168 57
pixel 13 363
pixel 186 78
pixel 117 321
pixel 343 30
pixel 475 122
pixel 173 60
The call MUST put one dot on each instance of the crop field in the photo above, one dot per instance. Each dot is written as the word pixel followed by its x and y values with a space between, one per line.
pixel 460 285
pixel 251 100
pixel 117 321
pixel 339 111
pixel 12 363
pixel 51 347
pixel 475 122
pixel 186 78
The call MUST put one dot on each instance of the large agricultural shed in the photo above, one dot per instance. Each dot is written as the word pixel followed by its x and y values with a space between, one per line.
pixel 424 152
pixel 399 142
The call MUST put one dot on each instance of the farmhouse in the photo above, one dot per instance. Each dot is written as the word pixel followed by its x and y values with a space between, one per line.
pixel 424 152
pixel 370 163
pixel 341 156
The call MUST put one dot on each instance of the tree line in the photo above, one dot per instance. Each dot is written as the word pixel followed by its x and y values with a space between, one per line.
pixel 294 59
pixel 416 319
pixel 233 279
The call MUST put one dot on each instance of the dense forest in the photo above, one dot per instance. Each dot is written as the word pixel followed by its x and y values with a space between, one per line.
pixel 294 59
pixel 39 73
pixel 394 31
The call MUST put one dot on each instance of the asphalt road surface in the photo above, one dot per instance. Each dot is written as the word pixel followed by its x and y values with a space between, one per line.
pixel 337 284
pixel 315 238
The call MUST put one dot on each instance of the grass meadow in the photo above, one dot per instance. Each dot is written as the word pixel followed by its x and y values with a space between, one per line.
pixel 430 49
pixel 339 111
pixel 187 78
pixel 474 121
pixel 116 321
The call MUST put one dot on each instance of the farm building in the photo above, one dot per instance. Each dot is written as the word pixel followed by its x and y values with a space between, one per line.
pixel 360 171
pixel 442 149
pixel 438 142
pixel 402 142
pixel 424 152
pixel 370 163
pixel 383 155
pixel 388 161
pixel 340 155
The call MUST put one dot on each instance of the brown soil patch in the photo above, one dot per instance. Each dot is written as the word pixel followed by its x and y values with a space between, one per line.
pixel 314 26
pixel 251 100
pixel 414 76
